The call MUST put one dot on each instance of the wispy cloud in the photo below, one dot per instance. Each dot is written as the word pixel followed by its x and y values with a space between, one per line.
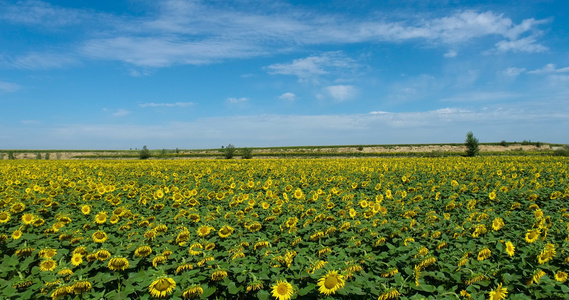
pixel 237 100
pixel 451 53
pixel 121 113
pixel 33 12
pixel 313 66
pixel 289 97
pixel 341 93
pixel 7 87
pixel 39 61
pixel 513 71
pixel 176 104
pixel 180 32
pixel 549 69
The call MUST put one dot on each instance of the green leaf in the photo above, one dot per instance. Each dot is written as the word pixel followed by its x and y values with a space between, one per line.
pixel 263 295
pixel 425 288
pixel 208 291
pixel 307 289
pixel 234 289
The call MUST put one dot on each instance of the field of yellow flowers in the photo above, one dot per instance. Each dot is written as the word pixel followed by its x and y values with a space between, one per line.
pixel 382 228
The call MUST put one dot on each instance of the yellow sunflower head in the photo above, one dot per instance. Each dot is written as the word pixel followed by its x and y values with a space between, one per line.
pixel 282 290
pixel 162 287
pixel 330 283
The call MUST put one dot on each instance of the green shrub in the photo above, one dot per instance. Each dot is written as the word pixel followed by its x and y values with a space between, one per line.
pixel 144 153
pixel 504 143
pixel 11 155
pixel 246 153
pixel 47 156
pixel 38 155
pixel 471 144
pixel 562 152
pixel 229 151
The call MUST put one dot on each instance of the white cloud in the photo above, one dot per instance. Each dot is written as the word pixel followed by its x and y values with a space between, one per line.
pixel 527 44
pixel 237 100
pixel 176 104
pixel 121 113
pixel 341 93
pixel 450 54
pixel 7 87
pixel 38 61
pixel 513 71
pixel 314 66
pixel 33 12
pixel 199 32
pixel 289 97
pixel 549 69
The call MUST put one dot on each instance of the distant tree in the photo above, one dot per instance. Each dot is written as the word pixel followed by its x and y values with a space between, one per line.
pixel 144 153
pixel 229 151
pixel 38 155
pixel 471 144
pixel 11 155
pixel 47 156
pixel 246 153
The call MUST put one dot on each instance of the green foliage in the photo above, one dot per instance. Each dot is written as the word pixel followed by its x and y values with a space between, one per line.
pixel 562 152
pixel 229 151
pixel 38 155
pixel 246 153
pixel 504 143
pixel 144 153
pixel 360 148
pixel 47 156
pixel 11 155
pixel 471 144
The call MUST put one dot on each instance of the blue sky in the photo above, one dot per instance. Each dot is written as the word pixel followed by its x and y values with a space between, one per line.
pixel 82 74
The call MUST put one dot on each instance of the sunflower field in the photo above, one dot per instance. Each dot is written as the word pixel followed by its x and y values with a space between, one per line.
pixel 368 228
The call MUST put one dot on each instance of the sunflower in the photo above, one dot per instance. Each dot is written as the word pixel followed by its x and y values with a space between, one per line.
pixel 510 248
pixel 80 287
pixel 143 251
pixel 195 249
pixel 499 293
pixel 103 255
pixel 282 290
pixel 17 207
pixel 17 234
pixel 192 292
pixel 492 195
pixel 86 209
pixel 561 276
pixel 76 259
pixel 47 253
pixel 532 235
pixel 255 226
pixel 204 230
pixel 391 294
pixel 330 283
pixel 118 264
pixel 497 224
pixel 158 259
pixel 99 236
pixel 5 217
pixel 218 275
pixel 48 265
pixel 225 231
pixel 484 254
pixel 27 219
pixel 162 287
pixel 101 218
